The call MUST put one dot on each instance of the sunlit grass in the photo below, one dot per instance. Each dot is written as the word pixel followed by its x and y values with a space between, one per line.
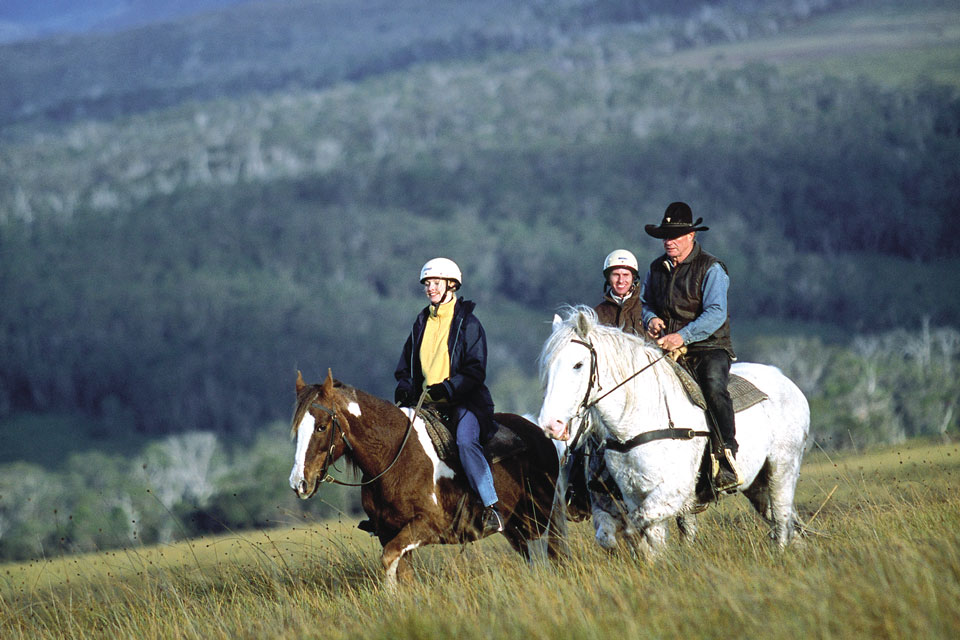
pixel 884 561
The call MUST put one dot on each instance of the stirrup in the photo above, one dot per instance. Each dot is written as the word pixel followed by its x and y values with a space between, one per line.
pixel 726 480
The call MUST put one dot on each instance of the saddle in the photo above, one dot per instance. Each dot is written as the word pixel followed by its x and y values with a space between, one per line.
pixel 441 428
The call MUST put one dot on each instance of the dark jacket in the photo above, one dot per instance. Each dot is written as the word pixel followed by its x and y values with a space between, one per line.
pixel 467 346
pixel 676 295
pixel 627 317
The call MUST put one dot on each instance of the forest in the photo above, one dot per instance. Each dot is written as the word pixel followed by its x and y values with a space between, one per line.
pixel 179 236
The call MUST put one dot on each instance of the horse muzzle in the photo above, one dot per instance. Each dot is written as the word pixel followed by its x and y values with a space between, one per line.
pixel 306 489
pixel 556 429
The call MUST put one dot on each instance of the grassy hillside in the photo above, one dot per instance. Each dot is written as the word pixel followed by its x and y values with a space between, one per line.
pixel 883 563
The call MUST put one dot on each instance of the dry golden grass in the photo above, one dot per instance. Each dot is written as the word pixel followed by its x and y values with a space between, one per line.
pixel 885 563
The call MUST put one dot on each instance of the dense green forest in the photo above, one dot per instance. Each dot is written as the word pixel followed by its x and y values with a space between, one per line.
pixel 179 235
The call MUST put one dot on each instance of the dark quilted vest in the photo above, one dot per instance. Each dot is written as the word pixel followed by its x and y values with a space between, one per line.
pixel 676 295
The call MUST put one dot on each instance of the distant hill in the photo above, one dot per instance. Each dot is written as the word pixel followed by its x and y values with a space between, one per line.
pixel 32 19
pixel 190 212
pixel 257 47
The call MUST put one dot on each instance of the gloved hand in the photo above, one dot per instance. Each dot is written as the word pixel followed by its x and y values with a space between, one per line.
pixel 437 393
pixel 401 397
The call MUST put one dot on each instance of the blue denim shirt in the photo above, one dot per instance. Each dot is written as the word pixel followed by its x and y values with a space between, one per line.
pixel 715 285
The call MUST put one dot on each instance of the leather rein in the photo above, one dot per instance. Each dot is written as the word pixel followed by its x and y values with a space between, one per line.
pixel 338 428
pixel 671 433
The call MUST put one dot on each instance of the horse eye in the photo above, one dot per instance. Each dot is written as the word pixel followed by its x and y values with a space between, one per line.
pixel 319 428
pixel 579 365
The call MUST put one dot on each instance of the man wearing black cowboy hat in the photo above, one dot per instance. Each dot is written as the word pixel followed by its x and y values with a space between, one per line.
pixel 684 297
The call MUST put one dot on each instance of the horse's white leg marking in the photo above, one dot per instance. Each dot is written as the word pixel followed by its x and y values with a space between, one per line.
pixel 354 409
pixel 440 468
pixel 304 433
pixel 392 568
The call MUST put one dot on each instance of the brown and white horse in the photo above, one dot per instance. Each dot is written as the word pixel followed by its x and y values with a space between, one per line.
pixel 412 497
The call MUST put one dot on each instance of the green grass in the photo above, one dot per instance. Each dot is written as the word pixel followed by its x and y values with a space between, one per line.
pixel 892 45
pixel 884 563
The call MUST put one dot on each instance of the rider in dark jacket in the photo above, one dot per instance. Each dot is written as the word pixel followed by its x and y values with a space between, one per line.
pixel 452 374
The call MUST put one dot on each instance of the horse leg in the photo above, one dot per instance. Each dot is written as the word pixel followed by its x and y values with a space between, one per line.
pixel 782 487
pixel 651 541
pixel 414 534
pixel 758 493
pixel 687 525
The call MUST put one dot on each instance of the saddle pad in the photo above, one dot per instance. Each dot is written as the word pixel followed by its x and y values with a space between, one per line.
pixel 743 392
pixel 503 444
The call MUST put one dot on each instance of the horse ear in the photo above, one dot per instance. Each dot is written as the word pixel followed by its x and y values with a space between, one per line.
pixel 557 321
pixel 582 325
pixel 328 383
pixel 301 385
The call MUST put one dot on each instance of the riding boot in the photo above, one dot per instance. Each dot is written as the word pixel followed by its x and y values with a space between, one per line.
pixel 727 477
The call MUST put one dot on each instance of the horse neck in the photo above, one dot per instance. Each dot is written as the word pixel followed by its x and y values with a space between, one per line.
pixel 641 404
pixel 376 434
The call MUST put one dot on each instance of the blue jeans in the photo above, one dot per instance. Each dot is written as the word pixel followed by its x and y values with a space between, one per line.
pixel 471 456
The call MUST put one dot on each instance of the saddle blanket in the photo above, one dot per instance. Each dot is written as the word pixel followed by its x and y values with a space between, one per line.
pixel 743 392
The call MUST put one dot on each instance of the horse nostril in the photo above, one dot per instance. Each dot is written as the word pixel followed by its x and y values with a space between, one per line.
pixel 302 487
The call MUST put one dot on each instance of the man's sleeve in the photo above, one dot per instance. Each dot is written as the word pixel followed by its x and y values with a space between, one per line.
pixel 716 282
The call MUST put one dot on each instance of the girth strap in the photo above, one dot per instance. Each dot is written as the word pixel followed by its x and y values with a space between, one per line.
pixel 650 436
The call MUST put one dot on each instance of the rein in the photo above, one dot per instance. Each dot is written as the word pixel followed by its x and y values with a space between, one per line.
pixel 643 438
pixel 336 423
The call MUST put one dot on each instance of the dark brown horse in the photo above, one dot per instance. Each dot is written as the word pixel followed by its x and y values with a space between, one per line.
pixel 411 496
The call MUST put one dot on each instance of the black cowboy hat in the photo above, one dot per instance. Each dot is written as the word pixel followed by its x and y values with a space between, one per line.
pixel 677 221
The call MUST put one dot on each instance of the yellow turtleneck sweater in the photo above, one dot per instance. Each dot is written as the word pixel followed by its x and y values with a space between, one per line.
pixel 434 354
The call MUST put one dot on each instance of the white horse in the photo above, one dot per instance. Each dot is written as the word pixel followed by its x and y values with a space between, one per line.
pixel 581 366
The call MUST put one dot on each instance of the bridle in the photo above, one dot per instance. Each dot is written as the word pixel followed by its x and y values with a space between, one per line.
pixel 338 428
pixel 671 433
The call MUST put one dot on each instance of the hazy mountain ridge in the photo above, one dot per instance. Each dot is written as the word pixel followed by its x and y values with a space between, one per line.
pixel 264 47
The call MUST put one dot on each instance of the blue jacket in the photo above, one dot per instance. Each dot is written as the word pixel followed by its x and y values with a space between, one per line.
pixel 467 346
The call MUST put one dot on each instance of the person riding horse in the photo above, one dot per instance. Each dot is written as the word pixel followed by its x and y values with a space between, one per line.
pixel 445 356
pixel 620 307
pixel 684 299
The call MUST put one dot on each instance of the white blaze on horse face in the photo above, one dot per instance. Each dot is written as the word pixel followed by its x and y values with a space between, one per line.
pixel 354 409
pixel 440 468
pixel 304 433
pixel 567 381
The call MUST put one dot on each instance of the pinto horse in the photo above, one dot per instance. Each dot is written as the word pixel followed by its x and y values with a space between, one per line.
pixel 655 436
pixel 411 496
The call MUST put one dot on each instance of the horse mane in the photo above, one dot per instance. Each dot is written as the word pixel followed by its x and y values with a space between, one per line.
pixel 631 352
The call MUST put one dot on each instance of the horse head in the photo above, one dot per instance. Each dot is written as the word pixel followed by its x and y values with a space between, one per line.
pixel 568 374
pixel 319 431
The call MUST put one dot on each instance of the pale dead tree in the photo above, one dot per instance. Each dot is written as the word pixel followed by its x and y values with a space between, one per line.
pixel 948 340
pixel 869 348
pixel 803 360
pixel 181 467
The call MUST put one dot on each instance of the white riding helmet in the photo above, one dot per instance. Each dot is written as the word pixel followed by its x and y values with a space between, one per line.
pixel 620 258
pixel 441 268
